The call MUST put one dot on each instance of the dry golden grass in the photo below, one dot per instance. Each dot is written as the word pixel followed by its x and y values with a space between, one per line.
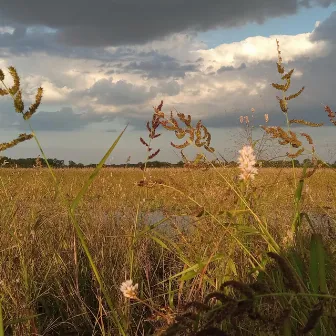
pixel 44 273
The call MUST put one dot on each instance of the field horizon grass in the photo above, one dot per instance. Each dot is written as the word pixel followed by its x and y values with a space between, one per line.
pixel 200 250
pixel 39 228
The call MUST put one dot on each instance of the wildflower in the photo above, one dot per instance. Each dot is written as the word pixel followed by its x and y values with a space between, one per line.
pixel 241 119
pixel 252 110
pixel 247 119
pixel 266 117
pixel 128 289
pixel 247 161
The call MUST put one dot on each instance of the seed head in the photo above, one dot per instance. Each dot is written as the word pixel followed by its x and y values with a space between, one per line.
pixel 128 289
pixel 247 161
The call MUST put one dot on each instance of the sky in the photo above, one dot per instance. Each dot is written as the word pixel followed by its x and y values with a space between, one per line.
pixel 105 64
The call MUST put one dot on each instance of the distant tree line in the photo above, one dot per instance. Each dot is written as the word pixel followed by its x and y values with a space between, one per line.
pixel 30 163
pixel 6 162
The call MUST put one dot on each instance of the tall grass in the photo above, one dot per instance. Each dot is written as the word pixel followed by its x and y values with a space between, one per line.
pixel 214 250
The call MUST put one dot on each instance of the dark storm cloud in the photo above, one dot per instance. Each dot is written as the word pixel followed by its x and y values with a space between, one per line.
pixel 222 119
pixel 119 93
pixel 326 30
pixel 23 42
pixel 276 117
pixel 230 68
pixel 121 22
pixel 160 66
pixel 123 93
pixel 63 120
pixel 172 88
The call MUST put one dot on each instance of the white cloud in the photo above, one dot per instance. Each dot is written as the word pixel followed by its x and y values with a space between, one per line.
pixel 6 29
pixel 258 49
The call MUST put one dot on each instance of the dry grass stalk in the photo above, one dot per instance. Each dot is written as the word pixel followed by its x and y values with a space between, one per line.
pixel 22 137
pixel 284 137
pixel 284 87
pixel 199 135
pixel 331 114
pixel 16 93
pixel 152 128
pixel 38 162
pixel 289 137
pixel 304 122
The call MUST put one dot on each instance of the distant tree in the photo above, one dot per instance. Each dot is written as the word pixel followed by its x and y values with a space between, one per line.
pixel 307 162
pixel 56 163
pixel 72 164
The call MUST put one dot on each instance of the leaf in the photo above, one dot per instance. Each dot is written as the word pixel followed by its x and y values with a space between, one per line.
pixel 2 331
pixel 297 199
pixel 321 262
pixel 189 275
pixel 151 227
pixel 21 320
pixel 160 242
pixel 194 268
pixel 317 264
pixel 296 262
pixel 232 267
pixel 313 267
pixel 287 330
pixel 247 230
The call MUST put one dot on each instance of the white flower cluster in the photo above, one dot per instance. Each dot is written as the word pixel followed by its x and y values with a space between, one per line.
pixel 128 289
pixel 247 161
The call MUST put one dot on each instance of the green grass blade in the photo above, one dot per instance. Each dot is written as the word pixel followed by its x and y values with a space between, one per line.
pixel 317 264
pixel 95 173
pixel 297 263
pixel 21 320
pixel 151 227
pixel 2 330
pixel 287 328
pixel 321 261
pixel 297 200
pixel 160 242
pixel 314 267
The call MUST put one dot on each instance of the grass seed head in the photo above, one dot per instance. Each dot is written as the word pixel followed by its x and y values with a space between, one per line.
pixel 287 271
pixel 21 138
pixel 128 289
pixel 247 161
pixel 313 318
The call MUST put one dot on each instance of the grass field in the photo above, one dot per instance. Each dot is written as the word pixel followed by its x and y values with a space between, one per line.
pixel 46 273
